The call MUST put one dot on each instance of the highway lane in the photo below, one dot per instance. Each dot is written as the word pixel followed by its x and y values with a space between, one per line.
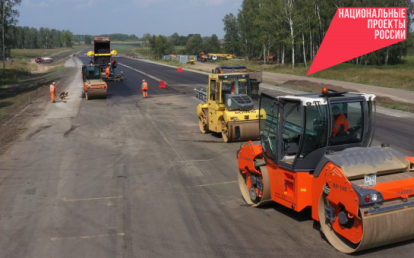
pixel 166 73
pixel 134 177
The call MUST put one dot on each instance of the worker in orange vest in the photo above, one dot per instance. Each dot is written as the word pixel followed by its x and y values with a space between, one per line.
pixel 340 122
pixel 144 88
pixel 108 72
pixel 233 88
pixel 52 92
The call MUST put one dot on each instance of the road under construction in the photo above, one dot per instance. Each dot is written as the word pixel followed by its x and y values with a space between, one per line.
pixel 132 177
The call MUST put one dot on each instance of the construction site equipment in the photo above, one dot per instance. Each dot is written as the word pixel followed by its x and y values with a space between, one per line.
pixel 114 77
pixel 191 60
pixel 362 196
pixel 212 56
pixel 255 77
pixel 102 52
pixel 162 85
pixel 93 85
pixel 201 94
pixel 229 109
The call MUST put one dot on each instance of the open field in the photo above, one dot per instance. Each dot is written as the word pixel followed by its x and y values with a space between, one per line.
pixel 33 53
pixel 133 49
pixel 21 65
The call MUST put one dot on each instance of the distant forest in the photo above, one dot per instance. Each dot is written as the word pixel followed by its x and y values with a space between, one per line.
pixel 27 38
pixel 88 39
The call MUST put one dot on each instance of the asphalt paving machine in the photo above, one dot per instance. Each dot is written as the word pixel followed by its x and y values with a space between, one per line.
pixel 102 52
pixel 229 109
pixel 112 75
pixel 93 85
pixel 362 196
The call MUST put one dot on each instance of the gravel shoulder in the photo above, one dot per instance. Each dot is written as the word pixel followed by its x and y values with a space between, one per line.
pixel 22 103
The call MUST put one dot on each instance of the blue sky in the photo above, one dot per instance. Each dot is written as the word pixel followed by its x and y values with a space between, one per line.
pixel 159 17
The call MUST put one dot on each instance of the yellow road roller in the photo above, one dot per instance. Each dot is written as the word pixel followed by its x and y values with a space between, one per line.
pixel 229 109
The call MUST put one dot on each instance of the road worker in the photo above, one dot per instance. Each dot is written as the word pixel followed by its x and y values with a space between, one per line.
pixel 340 122
pixel 114 64
pixel 233 88
pixel 52 92
pixel 108 72
pixel 144 88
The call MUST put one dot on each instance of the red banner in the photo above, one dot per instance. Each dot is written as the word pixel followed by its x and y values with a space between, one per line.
pixel 358 31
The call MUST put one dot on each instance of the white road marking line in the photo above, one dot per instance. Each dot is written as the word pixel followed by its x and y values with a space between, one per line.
pixel 85 237
pixel 90 199
pixel 223 183
pixel 144 73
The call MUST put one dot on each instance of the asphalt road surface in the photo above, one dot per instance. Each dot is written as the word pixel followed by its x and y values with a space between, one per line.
pixel 134 177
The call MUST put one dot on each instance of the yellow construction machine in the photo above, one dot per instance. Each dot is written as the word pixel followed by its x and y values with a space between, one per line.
pixel 212 56
pixel 255 77
pixel 229 109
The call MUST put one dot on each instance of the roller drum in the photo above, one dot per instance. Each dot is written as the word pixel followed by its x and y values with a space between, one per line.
pixel 242 131
pixel 96 94
pixel 378 229
pixel 244 189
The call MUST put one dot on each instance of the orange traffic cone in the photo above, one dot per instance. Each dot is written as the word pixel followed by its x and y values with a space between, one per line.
pixel 162 85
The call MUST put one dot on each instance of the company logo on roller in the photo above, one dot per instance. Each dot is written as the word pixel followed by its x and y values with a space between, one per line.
pixel 358 31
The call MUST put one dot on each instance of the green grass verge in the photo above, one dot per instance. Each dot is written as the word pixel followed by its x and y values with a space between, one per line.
pixel 34 53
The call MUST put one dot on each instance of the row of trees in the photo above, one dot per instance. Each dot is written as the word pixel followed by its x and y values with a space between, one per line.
pixel 293 30
pixel 88 39
pixel 25 37
pixel 194 44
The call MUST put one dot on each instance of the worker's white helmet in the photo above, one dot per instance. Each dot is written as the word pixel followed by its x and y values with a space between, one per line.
pixel 143 80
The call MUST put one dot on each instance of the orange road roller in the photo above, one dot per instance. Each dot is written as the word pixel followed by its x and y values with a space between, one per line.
pixel 315 152
pixel 93 85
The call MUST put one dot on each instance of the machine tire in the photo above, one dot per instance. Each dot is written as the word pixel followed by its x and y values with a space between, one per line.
pixel 225 133
pixel 225 136
pixel 266 188
pixel 202 124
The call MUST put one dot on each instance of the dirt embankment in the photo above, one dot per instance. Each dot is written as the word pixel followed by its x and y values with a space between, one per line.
pixel 21 103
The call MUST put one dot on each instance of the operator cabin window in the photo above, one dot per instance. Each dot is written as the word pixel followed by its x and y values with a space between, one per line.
pixel 212 90
pixel 316 129
pixel 226 89
pixel 269 126
pixel 353 113
pixel 292 129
